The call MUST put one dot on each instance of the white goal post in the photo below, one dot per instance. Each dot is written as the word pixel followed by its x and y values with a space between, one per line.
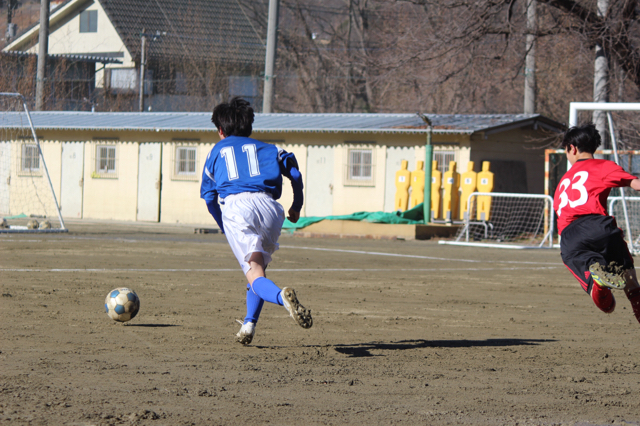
pixel 608 107
pixel 633 209
pixel 515 221
pixel 28 203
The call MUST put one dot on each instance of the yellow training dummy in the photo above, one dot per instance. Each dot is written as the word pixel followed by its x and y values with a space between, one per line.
pixel 451 187
pixel 417 185
pixel 403 181
pixel 485 184
pixel 468 182
pixel 436 184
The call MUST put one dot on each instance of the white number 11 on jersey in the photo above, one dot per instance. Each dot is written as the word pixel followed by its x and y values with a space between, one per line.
pixel 230 159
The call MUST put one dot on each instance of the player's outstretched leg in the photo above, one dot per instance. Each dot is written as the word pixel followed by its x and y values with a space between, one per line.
pixel 267 290
pixel 633 291
pixel 603 298
pixel 298 312
pixel 254 307
pixel 609 276
pixel 634 297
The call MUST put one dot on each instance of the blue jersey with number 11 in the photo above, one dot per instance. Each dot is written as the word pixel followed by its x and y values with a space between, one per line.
pixel 240 164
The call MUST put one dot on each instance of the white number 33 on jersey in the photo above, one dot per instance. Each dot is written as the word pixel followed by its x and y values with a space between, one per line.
pixel 578 184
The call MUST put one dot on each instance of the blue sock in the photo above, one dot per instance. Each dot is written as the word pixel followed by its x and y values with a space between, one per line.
pixel 254 306
pixel 267 290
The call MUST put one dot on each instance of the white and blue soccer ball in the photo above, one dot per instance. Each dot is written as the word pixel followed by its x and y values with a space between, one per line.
pixel 122 304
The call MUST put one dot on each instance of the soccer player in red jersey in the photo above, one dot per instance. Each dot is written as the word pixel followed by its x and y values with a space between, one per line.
pixel 590 238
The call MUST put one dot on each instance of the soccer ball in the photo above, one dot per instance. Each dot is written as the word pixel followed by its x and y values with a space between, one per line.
pixel 122 304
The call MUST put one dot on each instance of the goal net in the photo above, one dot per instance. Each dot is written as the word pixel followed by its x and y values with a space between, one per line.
pixel 27 199
pixel 616 209
pixel 503 220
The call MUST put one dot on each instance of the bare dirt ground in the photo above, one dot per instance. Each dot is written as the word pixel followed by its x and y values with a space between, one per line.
pixel 404 333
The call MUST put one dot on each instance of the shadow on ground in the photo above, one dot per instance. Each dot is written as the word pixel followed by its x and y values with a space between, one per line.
pixel 154 325
pixel 363 349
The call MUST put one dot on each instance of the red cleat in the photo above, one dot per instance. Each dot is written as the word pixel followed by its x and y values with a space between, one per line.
pixel 603 298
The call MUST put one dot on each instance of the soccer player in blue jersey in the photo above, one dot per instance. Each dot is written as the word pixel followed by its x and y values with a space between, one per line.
pixel 245 175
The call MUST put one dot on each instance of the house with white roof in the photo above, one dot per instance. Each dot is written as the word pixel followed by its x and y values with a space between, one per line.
pixel 185 43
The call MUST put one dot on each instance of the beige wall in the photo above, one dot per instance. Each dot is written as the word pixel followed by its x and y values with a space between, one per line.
pixel 111 197
pixel 180 200
pixel 30 193
pixel 116 198
pixel 349 198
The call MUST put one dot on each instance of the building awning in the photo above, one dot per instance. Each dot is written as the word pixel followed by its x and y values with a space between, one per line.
pixel 105 59
pixel 284 123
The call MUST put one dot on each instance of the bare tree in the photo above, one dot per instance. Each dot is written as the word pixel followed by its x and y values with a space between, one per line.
pixel 447 56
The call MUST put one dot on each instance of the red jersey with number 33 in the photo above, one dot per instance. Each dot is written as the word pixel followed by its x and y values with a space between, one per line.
pixel 585 187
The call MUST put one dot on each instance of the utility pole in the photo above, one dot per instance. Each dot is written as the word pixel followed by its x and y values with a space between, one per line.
pixel 270 60
pixel 530 60
pixel 428 164
pixel 43 51
pixel 143 63
pixel 12 29
pixel 601 78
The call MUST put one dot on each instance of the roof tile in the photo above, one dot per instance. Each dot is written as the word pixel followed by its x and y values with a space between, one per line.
pixel 196 29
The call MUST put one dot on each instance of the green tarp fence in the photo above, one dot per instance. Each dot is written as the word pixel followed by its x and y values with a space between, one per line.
pixel 410 217
pixel 18 216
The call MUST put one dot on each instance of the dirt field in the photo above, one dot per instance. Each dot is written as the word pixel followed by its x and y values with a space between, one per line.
pixel 404 333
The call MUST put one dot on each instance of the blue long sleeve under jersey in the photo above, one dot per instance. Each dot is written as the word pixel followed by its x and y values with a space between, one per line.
pixel 214 209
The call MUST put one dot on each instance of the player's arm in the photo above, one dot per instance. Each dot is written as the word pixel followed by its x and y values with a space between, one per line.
pixel 618 177
pixel 209 193
pixel 289 168
pixel 216 212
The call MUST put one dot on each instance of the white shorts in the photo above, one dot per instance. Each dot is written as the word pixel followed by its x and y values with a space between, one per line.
pixel 252 223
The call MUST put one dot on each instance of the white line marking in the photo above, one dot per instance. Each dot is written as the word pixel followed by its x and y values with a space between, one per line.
pixel 415 256
pixel 119 270
pixel 371 253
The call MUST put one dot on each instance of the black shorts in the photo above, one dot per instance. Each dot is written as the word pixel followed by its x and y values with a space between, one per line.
pixel 590 239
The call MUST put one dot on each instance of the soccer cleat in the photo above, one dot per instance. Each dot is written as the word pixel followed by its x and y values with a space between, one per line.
pixel 298 312
pixel 611 276
pixel 246 333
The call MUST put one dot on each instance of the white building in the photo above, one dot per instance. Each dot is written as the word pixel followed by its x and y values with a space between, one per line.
pixel 148 166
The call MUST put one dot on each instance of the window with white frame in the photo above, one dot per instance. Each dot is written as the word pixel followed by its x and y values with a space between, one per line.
pixel 360 167
pixel 185 161
pixel 443 158
pixel 106 160
pixel 30 158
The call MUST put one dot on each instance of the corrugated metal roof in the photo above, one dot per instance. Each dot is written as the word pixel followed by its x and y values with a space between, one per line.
pixel 305 123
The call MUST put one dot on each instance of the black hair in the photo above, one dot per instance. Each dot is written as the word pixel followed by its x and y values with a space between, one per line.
pixel 234 118
pixel 586 138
